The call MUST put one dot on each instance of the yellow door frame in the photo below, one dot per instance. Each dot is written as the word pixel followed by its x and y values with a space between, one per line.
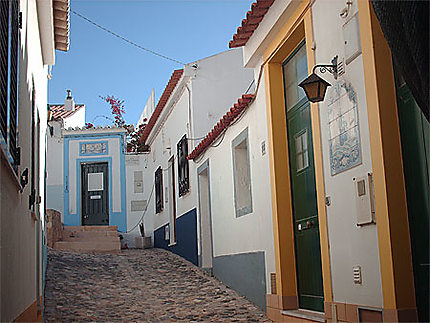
pixel 390 194
pixel 298 27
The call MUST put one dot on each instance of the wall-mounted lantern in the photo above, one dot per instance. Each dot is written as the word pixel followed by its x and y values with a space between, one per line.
pixel 315 87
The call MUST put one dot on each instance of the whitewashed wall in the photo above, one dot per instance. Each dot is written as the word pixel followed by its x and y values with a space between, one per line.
pixel 77 119
pixel 54 168
pixel 350 245
pixel 216 83
pixel 254 231
pixel 19 232
pixel 162 149
pixel 134 165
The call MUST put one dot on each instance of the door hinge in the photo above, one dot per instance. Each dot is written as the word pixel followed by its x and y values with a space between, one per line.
pixel 20 20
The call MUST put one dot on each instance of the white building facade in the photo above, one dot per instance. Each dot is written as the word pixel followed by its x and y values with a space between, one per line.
pixel 28 33
pixel 86 176
pixel 337 167
pixel 194 99
pixel 234 200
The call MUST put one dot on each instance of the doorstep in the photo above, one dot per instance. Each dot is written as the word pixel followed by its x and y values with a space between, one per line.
pixel 303 315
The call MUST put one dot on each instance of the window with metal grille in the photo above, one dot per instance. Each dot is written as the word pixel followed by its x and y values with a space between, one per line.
pixel 9 46
pixel 158 190
pixel 183 169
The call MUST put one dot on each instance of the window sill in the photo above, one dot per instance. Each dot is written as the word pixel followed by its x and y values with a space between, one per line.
pixel 172 244
pixel 5 160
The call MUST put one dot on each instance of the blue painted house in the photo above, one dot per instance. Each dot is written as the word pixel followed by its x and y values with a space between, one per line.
pixel 86 176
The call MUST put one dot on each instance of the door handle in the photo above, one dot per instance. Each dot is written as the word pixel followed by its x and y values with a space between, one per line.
pixel 305 226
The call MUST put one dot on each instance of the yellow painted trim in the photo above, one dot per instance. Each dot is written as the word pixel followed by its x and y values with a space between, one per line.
pixel 298 27
pixel 283 230
pixel 319 170
pixel 390 197
pixel 284 43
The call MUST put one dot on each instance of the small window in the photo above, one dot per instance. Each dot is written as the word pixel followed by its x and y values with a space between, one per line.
pixel 242 174
pixel 158 190
pixel 302 157
pixel 295 71
pixel 183 169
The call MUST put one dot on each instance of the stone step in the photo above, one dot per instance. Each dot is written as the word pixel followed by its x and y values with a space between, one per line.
pixel 88 246
pixel 91 228
pixel 92 239
pixel 91 235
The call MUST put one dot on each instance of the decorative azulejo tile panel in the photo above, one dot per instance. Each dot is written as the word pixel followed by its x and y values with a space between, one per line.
pixel 344 133
pixel 93 148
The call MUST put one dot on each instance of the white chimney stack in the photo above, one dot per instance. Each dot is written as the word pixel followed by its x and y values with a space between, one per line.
pixel 69 104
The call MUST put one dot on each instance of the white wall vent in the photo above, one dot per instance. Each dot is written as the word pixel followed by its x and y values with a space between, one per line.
pixel 357 274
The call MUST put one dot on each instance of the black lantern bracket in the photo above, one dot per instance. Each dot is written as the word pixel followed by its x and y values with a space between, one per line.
pixel 332 68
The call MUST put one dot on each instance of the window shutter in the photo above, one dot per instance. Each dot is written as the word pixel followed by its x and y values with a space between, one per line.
pixel 13 94
pixel 4 51
pixel 158 190
pixel 9 49
pixel 183 169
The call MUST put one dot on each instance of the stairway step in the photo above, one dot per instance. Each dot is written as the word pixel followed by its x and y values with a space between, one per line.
pixel 92 228
pixel 67 235
pixel 88 246
pixel 91 239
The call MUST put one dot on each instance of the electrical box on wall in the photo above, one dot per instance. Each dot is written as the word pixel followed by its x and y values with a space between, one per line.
pixel 365 199
pixel 351 37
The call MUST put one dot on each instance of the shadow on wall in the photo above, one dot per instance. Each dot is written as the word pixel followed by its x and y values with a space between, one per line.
pixel 245 273
pixel 186 237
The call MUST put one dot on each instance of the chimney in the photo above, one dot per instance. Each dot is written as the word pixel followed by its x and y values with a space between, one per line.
pixel 69 103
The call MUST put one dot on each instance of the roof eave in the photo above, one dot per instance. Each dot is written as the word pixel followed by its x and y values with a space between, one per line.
pixel 45 15
pixel 61 12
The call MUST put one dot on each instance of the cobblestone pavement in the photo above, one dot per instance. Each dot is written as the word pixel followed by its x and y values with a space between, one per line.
pixel 150 285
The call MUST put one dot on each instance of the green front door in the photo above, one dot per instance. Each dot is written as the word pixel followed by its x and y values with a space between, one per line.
pixel 302 173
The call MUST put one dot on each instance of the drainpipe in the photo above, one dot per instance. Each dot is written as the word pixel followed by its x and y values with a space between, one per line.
pixel 189 124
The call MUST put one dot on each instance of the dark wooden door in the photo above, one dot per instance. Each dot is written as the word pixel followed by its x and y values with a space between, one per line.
pixel 302 174
pixel 415 137
pixel 306 232
pixel 95 201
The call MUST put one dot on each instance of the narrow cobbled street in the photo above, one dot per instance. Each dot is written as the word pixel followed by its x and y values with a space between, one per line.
pixel 150 285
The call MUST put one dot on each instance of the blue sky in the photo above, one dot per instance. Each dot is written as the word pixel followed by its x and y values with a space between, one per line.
pixel 101 64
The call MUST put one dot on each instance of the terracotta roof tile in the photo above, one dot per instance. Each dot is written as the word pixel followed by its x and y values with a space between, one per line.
pixel 58 111
pixel 253 18
pixel 222 124
pixel 174 79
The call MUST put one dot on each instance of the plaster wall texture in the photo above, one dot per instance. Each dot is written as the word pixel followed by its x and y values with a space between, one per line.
pixel 54 169
pixel 75 120
pixel 163 148
pixel 19 232
pixel 114 141
pixel 350 245
pixel 134 168
pixel 252 232
pixel 215 85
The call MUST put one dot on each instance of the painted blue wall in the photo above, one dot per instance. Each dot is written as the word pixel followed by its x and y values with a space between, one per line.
pixel 115 218
pixel 186 237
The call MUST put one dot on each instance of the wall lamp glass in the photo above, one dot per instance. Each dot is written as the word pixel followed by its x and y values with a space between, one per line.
pixel 315 87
